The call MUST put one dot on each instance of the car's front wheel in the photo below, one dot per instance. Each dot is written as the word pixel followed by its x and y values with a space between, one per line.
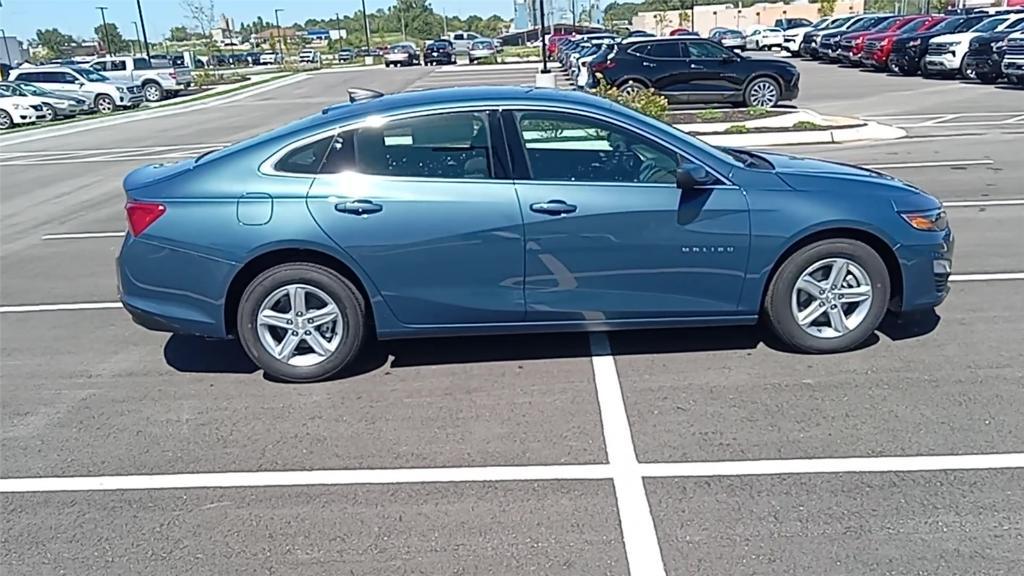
pixel 301 322
pixel 762 93
pixel 828 296
pixel 105 104
pixel 6 121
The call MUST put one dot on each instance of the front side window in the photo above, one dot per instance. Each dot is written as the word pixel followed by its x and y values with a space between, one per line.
pixel 570 148
pixel 707 50
pixel 116 66
pixel 8 90
pixel 453 146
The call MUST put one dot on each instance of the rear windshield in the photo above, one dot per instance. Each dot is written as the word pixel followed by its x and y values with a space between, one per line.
pixel 481 45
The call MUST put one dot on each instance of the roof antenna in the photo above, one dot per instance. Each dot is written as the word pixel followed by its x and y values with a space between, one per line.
pixel 360 94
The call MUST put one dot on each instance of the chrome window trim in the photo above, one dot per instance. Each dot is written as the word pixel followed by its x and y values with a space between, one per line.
pixel 266 168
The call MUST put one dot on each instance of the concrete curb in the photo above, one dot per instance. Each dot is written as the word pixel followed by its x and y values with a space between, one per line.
pixel 143 114
pixel 869 131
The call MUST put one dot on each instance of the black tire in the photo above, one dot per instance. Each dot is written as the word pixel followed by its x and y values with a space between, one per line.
pixel 346 297
pixel 988 78
pixel 105 104
pixel 51 113
pixel 153 91
pixel 750 92
pixel 777 303
pixel 967 73
pixel 6 121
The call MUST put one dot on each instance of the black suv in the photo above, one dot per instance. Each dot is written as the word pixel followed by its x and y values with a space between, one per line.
pixel 439 52
pixel 984 58
pixel 696 71
pixel 908 51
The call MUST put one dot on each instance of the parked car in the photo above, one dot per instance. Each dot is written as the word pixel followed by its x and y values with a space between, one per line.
pixel 402 54
pixel 830 44
pixel 697 71
pixel 157 82
pixel 454 227
pixel 764 39
pixel 680 32
pixel 1013 59
pixel 946 53
pixel 19 110
pixel 985 55
pixel 909 50
pixel 346 55
pixel 793 37
pixel 438 54
pixel 271 58
pixel 106 94
pixel 462 41
pixel 731 39
pixel 811 41
pixel 309 56
pixel 878 46
pixel 791 23
pixel 480 49
pixel 582 73
pixel 55 105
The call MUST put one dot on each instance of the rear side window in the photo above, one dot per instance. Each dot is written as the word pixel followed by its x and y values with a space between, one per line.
pixel 451 146
pixel 663 50
pixel 305 159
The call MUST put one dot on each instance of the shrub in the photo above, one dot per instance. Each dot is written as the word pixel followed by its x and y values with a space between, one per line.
pixel 709 115
pixel 737 129
pixel 757 112
pixel 807 125
pixel 646 101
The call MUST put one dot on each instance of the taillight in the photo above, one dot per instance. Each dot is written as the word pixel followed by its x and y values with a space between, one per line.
pixel 602 66
pixel 142 214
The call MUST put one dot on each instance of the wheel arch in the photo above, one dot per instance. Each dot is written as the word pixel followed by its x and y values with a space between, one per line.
pixel 872 240
pixel 285 255
pixel 635 79
pixel 759 75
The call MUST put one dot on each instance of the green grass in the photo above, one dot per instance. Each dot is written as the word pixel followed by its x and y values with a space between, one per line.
pixel 737 129
pixel 710 115
pixel 807 125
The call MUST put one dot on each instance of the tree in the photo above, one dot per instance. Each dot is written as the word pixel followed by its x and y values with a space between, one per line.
pixel 54 41
pixel 179 34
pixel 112 39
pixel 827 7
pixel 202 13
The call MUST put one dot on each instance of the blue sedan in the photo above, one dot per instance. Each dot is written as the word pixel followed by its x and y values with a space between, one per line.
pixel 512 210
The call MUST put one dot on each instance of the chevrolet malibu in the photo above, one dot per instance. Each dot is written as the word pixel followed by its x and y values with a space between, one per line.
pixel 512 210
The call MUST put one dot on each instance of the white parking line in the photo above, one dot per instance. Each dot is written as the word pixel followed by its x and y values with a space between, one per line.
pixel 931 164
pixel 82 235
pixel 975 203
pixel 986 277
pixel 643 554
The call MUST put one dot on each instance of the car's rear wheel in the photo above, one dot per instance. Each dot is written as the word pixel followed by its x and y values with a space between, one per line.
pixel 105 104
pixel 153 92
pixel 828 296
pixel 631 87
pixel 762 93
pixel 301 322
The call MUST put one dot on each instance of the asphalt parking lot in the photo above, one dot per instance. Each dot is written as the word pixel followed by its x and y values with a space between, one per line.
pixel 671 452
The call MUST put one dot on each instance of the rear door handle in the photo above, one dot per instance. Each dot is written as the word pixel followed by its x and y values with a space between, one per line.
pixel 553 207
pixel 358 207
pixel 696 66
pixel 649 64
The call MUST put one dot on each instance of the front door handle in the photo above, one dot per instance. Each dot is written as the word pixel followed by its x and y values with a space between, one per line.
pixel 358 207
pixel 649 64
pixel 696 67
pixel 553 207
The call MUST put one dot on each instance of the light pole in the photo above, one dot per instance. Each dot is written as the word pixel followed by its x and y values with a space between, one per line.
pixel 543 43
pixel 366 26
pixel 142 22
pixel 715 13
pixel 106 33
pixel 573 16
pixel 277 22
pixel 337 19
pixel 138 39
pixel 738 12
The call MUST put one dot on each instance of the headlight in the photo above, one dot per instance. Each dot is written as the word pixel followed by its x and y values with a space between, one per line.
pixel 914 43
pixel 21 107
pixel 60 104
pixel 1001 45
pixel 930 221
pixel 120 89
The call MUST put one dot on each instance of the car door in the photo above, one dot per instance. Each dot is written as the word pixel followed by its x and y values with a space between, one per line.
pixel 609 235
pixel 712 72
pixel 425 206
pixel 58 81
pixel 661 64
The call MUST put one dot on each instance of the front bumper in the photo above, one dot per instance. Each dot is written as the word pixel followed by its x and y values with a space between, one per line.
pixel 1014 67
pixel 791 45
pixel 926 270
pixel 125 99
pixel 944 63
pixel 986 64
pixel 905 60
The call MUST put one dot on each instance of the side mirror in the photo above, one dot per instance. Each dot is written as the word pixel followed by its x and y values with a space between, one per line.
pixel 693 176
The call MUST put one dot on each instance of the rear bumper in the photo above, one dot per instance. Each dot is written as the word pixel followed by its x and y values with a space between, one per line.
pixel 170 290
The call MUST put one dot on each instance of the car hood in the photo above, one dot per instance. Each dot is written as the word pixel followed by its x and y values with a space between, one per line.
pixel 793 169
pixel 797 31
pixel 961 37
pixel 112 82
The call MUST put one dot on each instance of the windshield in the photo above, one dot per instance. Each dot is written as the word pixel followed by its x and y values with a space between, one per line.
pixel 915 25
pixel 883 25
pixel 837 24
pixel 12 90
pixel 989 25
pixel 91 75
pixel 1015 25
pixel 481 45
pixel 948 25
pixel 864 24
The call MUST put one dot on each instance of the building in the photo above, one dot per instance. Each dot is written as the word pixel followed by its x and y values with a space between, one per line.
pixel 729 15
pixel 12 51
pixel 288 35
pixel 527 13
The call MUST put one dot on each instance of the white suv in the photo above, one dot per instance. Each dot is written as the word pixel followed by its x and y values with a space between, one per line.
pixel 106 94
pixel 946 53
pixel 1013 59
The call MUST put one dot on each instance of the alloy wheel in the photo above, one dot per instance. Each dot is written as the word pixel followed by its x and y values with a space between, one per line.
pixel 5 121
pixel 152 93
pixel 300 325
pixel 51 113
pixel 831 297
pixel 764 94
pixel 105 105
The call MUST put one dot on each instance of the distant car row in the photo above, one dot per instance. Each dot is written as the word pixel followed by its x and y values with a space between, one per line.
pixel 986 46
pixel 26 103
pixel 685 68
pixel 439 52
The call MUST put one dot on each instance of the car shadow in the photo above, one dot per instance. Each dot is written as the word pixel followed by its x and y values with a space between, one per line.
pixel 193 354
pixel 1009 87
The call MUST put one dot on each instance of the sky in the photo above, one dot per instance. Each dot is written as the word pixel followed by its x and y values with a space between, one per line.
pixel 21 18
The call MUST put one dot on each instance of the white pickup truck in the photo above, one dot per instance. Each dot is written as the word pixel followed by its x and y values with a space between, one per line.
pixel 158 82
pixel 1013 58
